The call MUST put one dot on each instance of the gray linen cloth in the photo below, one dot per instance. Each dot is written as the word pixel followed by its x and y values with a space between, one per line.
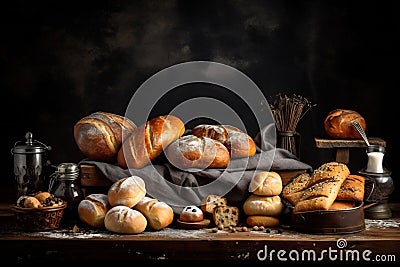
pixel 180 188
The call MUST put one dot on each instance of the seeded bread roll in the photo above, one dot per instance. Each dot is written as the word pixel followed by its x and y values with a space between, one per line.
pixel 158 214
pixel 99 135
pixel 93 209
pixel 294 189
pixel 226 216
pixel 338 124
pixel 191 214
pixel 266 184
pixel 258 220
pixel 352 189
pixel 124 220
pixel 127 191
pixel 211 201
pixel 262 205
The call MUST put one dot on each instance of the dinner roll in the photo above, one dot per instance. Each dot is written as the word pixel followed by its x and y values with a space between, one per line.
pixel 158 214
pixel 124 220
pixel 127 191
pixel 93 209
pixel 262 205
pixel 266 184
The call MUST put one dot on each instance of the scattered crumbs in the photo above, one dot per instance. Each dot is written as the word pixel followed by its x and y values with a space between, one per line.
pixel 381 224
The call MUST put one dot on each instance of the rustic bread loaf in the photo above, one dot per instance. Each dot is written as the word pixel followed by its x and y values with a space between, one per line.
pixel 225 216
pixel 322 187
pixel 294 189
pixel 352 189
pixel 266 183
pixel 266 221
pixel 93 209
pixel 262 205
pixel 158 214
pixel 192 152
pixel 124 220
pixel 99 135
pixel 211 201
pixel 127 191
pixel 191 214
pixel 239 143
pixel 338 124
pixel 149 140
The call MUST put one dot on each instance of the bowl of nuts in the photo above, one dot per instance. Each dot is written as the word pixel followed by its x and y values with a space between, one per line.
pixel 39 212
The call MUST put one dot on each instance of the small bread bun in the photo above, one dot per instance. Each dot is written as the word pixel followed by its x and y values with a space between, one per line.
pixel 338 124
pixel 124 220
pixel 266 221
pixel 191 214
pixel 93 209
pixel 127 191
pixel 266 184
pixel 32 202
pixel 261 205
pixel 42 196
pixel 158 214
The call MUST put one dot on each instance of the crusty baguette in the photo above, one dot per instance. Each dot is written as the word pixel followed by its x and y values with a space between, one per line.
pixel 323 187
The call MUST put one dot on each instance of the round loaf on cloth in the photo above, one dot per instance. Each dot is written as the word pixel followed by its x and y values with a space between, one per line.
pixel 127 191
pixel 266 184
pixel 158 214
pixel 149 140
pixel 261 205
pixel 338 124
pixel 238 143
pixel 258 220
pixel 99 135
pixel 192 152
pixel 124 220
pixel 93 209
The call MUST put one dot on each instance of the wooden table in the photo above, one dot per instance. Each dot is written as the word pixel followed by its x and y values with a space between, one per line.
pixel 379 241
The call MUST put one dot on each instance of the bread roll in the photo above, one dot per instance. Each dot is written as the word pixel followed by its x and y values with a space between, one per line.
pixel 42 196
pixel 338 124
pixel 124 220
pixel 322 187
pixel 191 214
pixel 158 214
pixel 99 135
pixel 294 189
pixel 93 209
pixel 266 221
pixel 238 143
pixel 192 152
pixel 352 189
pixel 266 184
pixel 32 202
pixel 211 201
pixel 261 205
pixel 225 216
pixel 149 140
pixel 127 191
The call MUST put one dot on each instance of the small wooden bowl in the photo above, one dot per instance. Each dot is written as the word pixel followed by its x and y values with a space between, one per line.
pixel 194 225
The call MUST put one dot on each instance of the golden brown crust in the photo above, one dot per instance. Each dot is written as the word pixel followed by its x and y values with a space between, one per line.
pixel 99 135
pixel 158 214
pixel 192 152
pixel 149 140
pixel 124 220
pixel 258 220
pixel 294 189
pixel 338 124
pixel 266 183
pixel 352 189
pixel 342 205
pixel 93 209
pixel 127 191
pixel 261 205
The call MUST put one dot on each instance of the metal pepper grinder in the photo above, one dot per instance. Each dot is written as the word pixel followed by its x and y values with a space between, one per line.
pixel 383 183
pixel 30 165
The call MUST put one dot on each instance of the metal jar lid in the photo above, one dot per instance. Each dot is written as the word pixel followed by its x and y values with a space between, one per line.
pixel 30 146
pixel 68 168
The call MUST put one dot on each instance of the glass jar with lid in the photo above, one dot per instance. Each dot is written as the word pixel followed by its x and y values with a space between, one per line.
pixel 65 184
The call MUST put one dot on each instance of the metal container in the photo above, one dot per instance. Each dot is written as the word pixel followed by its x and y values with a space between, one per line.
pixel 30 165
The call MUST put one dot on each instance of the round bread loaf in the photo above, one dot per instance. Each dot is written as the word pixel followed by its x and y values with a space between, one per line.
pixel 32 202
pixel 192 152
pixel 127 191
pixel 261 205
pixel 338 124
pixel 99 135
pixel 93 209
pixel 258 220
pixel 238 143
pixel 124 220
pixel 158 214
pixel 191 214
pixel 42 196
pixel 266 184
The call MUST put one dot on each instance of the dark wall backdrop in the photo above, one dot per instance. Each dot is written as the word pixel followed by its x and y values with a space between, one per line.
pixel 62 60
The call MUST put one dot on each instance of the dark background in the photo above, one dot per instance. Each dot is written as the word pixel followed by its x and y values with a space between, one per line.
pixel 62 60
